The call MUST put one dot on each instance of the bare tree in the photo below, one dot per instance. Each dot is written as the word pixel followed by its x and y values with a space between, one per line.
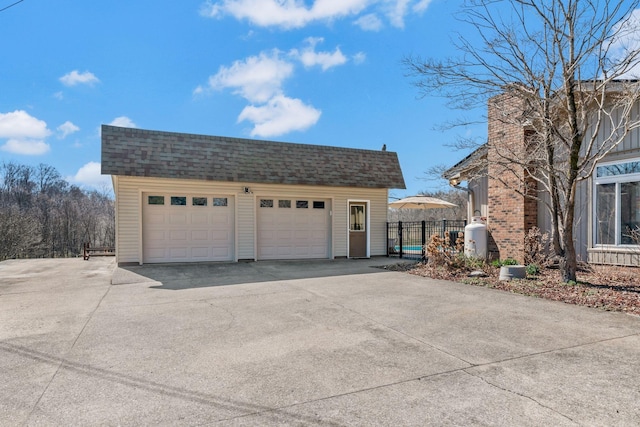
pixel 41 215
pixel 567 65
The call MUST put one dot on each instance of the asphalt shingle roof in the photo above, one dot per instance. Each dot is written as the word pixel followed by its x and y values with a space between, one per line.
pixel 139 152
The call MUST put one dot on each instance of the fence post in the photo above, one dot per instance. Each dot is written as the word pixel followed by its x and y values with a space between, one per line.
pixel 424 240
pixel 400 238
pixel 444 228
pixel 387 239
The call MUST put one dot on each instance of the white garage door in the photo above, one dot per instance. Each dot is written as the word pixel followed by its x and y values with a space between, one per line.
pixel 291 228
pixel 187 228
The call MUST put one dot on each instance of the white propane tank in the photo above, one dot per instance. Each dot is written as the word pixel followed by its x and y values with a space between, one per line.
pixel 475 238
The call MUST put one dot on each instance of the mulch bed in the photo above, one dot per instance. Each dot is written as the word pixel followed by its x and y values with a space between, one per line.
pixel 605 287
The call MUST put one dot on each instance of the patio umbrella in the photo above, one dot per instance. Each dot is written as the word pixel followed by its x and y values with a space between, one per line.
pixel 421 202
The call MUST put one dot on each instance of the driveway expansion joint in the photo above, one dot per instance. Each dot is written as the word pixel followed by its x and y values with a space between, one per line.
pixel 537 402
pixel 63 358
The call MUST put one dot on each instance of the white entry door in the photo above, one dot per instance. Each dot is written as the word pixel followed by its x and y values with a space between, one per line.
pixel 293 228
pixel 187 227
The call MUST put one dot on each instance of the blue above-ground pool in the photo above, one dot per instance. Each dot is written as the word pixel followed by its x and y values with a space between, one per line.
pixel 416 248
pixel 413 251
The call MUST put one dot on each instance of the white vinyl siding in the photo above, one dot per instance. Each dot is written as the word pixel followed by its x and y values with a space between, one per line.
pixel 129 194
pixel 245 230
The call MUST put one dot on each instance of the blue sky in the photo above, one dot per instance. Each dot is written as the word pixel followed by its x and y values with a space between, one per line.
pixel 318 72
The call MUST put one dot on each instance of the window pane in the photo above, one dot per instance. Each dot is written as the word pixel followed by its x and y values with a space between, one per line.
pixel 219 201
pixel 318 205
pixel 266 203
pixel 302 204
pixel 284 203
pixel 356 221
pixel 199 201
pixel 178 201
pixel 618 169
pixel 156 200
pixel 629 212
pixel 606 214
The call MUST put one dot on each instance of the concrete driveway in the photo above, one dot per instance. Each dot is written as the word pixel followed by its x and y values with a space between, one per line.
pixel 300 343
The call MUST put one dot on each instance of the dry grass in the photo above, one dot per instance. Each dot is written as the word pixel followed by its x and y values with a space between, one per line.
pixel 604 287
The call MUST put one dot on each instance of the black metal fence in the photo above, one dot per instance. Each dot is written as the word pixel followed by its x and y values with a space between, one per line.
pixel 409 239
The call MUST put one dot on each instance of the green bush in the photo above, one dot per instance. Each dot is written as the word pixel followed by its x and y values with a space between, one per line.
pixel 533 270
pixel 499 263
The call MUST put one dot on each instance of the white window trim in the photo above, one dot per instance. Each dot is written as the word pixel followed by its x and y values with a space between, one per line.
pixel 617 180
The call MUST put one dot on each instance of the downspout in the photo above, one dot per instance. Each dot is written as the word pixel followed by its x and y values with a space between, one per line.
pixel 472 198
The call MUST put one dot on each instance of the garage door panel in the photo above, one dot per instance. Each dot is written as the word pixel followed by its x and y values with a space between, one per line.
pixel 157 234
pixel 156 253
pixel 283 236
pixel 178 235
pixel 301 234
pixel 317 234
pixel 200 253
pixel 178 219
pixel 155 218
pixel 199 218
pixel 221 252
pixel 183 233
pixel 219 227
pixel 201 235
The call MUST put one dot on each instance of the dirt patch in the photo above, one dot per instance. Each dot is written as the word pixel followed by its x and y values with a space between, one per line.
pixel 610 288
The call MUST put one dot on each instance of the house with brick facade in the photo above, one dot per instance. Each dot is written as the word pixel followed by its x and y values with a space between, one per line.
pixel 607 204
pixel 193 198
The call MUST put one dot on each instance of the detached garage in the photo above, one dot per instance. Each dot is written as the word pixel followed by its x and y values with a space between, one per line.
pixel 197 198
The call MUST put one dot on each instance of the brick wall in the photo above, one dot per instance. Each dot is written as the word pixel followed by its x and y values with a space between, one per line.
pixel 511 214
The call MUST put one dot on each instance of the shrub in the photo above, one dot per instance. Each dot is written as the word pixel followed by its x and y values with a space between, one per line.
pixel 497 263
pixel 442 254
pixel 536 246
pixel 533 270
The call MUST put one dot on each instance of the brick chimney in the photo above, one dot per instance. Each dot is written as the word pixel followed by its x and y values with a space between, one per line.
pixel 510 215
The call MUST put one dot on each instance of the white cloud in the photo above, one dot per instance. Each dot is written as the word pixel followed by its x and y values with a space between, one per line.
pixel 284 13
pixel 257 78
pixel 279 116
pixel 369 22
pixel 66 129
pixel 59 95
pixel 289 14
pixel 89 175
pixel 359 58
pixel 628 40
pixel 123 122
pixel 28 147
pixel 74 78
pixel 397 11
pixel 25 134
pixel 421 6
pixel 309 57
